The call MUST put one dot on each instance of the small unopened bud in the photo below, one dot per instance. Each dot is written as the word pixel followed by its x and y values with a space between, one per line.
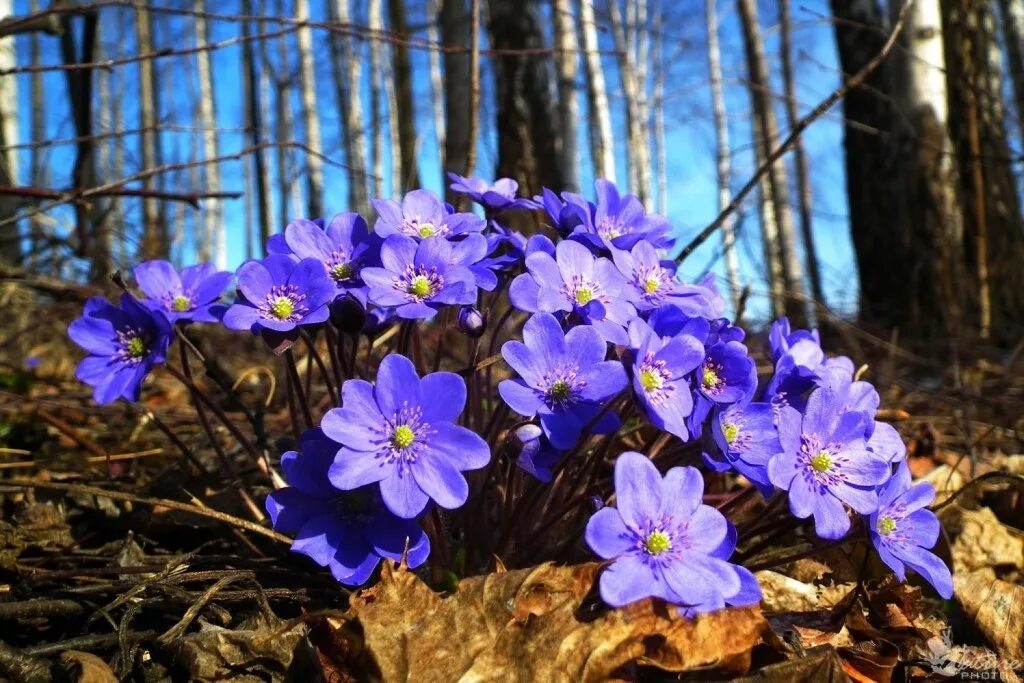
pixel 472 322
pixel 347 315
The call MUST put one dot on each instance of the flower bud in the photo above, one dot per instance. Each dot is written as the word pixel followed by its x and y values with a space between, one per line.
pixel 347 315
pixel 472 322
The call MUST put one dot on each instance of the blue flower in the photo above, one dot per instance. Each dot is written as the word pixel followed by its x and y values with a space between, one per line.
pixel 654 284
pixel 904 528
pixel 419 278
pixel 344 247
pixel 422 215
pixel 563 378
pixel 661 370
pixel 574 281
pixel 124 343
pixel 536 454
pixel 744 438
pixel 621 222
pixel 193 294
pixel 280 294
pixel 825 463
pixel 664 543
pixel 347 532
pixel 497 196
pixel 401 432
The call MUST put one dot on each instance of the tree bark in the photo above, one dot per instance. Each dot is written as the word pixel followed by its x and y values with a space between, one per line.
pixel 602 147
pixel 660 159
pixel 526 126
pixel 406 111
pixel 1012 15
pixel 154 238
pixel 211 246
pixel 348 78
pixel 723 153
pixel 568 107
pixel 455 31
pixel 10 240
pixel 766 138
pixel 254 127
pixel 436 79
pixel 310 114
pixel 634 92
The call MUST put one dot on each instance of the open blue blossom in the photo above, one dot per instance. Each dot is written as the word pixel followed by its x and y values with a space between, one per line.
pixel 575 281
pixel 123 343
pixel 497 196
pixel 661 370
pixel 727 375
pixel 418 278
pixel 744 438
pixel 782 340
pixel 563 378
pixel 421 215
pixel 654 284
pixel 536 454
pixel 567 211
pixel 621 221
pixel 904 528
pixel 825 463
pixel 663 542
pixel 280 294
pixel 193 294
pixel 401 432
pixel 347 532
pixel 345 246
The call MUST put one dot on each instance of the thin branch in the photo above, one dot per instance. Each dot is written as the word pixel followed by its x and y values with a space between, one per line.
pixel 192 198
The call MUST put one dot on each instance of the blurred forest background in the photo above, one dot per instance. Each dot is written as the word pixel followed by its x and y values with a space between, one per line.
pixel 193 130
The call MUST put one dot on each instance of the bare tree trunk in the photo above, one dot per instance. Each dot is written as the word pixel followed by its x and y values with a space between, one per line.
pixel 37 135
pixel 211 246
pixel 1012 15
pixel 377 95
pixel 527 128
pixel 102 237
pixel 384 88
pixel 155 238
pixel 778 184
pixel 436 80
pixel 568 107
pixel 640 154
pixel 723 155
pixel 455 31
pixel 10 241
pixel 602 147
pixel 310 114
pixel 660 159
pixel 406 111
pixel 289 199
pixel 803 181
pixel 348 78
pixel 254 127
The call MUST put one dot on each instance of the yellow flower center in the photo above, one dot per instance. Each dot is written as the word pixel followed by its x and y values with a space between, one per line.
pixel 652 285
pixel 584 295
pixel 709 378
pixel 181 303
pixel 821 462
pixel 731 432
pixel 427 230
pixel 559 390
pixel 657 543
pixel 650 380
pixel 136 347
pixel 282 308
pixel 402 437
pixel 886 525
pixel 341 271
pixel 419 286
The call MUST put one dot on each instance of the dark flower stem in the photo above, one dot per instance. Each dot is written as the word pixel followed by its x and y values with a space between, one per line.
pixel 315 355
pixel 293 372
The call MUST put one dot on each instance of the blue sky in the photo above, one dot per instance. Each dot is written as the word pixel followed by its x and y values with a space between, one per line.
pixel 691 196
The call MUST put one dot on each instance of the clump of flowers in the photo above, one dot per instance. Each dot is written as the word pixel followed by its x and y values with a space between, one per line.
pixel 468 392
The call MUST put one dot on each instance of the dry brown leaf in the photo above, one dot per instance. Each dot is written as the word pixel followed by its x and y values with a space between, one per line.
pixel 785 594
pixel 997 608
pixel 83 667
pixel 530 625
pixel 215 653
pixel 981 540
pixel 821 666
pixel 946 481
pixel 870 662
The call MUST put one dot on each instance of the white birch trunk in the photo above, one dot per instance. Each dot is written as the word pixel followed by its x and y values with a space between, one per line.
pixel 9 99
pixel 154 239
pixel 310 113
pixel 384 88
pixel 639 152
pixel 660 160
pixel 602 148
pixel 211 246
pixel 436 81
pixel 349 77
pixel 568 107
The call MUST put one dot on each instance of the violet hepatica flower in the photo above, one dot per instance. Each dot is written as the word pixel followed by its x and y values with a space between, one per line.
pixel 744 438
pixel 621 221
pixel 663 542
pixel 904 528
pixel 422 215
pixel 575 281
pixel 563 378
pixel 344 247
pixel 123 343
pixel 497 196
pixel 825 463
pixel 654 283
pixel 192 294
pixel 280 294
pixel 347 532
pixel 401 432
pixel 661 368
pixel 536 454
pixel 418 278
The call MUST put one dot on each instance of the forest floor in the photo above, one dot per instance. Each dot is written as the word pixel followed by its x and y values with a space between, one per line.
pixel 121 560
